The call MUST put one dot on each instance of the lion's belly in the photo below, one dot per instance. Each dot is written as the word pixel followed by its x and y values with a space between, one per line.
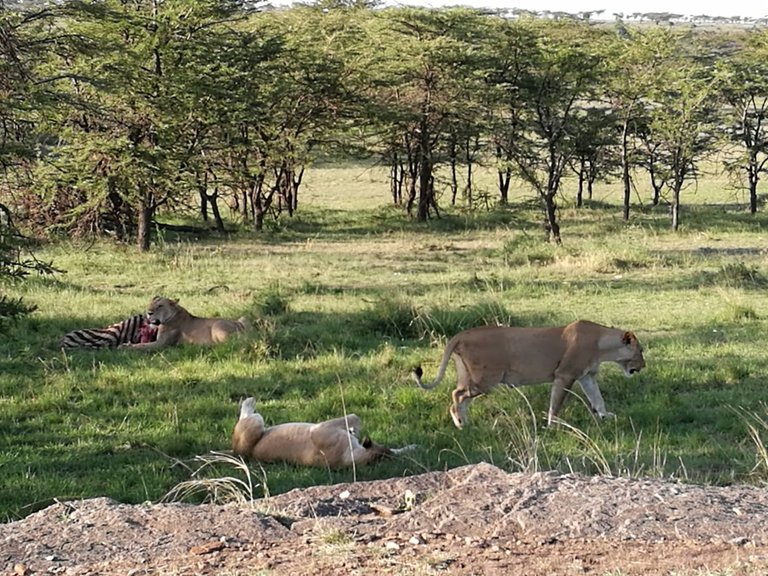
pixel 520 374
pixel 288 442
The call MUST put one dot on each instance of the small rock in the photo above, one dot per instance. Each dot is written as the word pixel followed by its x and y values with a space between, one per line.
pixel 392 545
pixel 208 547
pixel 416 540
pixel 382 510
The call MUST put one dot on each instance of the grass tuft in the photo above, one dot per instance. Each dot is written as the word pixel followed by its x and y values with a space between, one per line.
pixel 271 301
pixel 739 275
pixel 756 422
pixel 216 489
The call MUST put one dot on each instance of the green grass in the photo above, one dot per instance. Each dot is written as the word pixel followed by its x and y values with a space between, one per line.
pixel 346 297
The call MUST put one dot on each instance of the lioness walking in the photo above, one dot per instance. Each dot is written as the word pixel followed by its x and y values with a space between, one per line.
pixel 517 356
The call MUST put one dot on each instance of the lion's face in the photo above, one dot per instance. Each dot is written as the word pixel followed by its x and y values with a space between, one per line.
pixel 161 310
pixel 633 360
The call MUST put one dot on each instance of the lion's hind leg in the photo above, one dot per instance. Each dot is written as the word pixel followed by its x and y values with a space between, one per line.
pixel 248 408
pixel 466 390
pixel 348 423
pixel 249 428
pixel 337 440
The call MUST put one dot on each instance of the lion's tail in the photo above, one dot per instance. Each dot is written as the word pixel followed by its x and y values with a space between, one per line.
pixel 417 372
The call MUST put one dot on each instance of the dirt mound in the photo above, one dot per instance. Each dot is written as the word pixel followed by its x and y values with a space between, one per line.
pixel 470 520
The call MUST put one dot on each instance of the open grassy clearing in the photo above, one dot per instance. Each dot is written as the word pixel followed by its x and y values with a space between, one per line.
pixel 347 296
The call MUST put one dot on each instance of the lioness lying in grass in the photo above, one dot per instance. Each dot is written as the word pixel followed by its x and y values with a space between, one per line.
pixel 177 326
pixel 329 444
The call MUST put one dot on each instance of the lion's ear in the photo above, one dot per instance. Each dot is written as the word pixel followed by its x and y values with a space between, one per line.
pixel 628 337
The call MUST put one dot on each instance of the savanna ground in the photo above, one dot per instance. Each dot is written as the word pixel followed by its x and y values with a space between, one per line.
pixel 345 298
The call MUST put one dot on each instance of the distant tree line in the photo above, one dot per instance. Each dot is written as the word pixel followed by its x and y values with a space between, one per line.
pixel 113 112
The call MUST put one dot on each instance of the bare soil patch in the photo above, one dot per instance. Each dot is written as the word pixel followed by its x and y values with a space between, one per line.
pixel 476 519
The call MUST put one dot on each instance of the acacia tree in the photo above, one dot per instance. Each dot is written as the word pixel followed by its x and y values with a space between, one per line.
pixel 564 76
pixel 514 43
pixel 22 45
pixel 682 123
pixel 743 82
pixel 423 89
pixel 594 139
pixel 283 87
pixel 230 78
pixel 119 144
pixel 313 99
pixel 633 60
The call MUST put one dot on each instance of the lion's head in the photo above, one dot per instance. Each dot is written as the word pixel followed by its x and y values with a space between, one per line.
pixel 161 310
pixel 632 352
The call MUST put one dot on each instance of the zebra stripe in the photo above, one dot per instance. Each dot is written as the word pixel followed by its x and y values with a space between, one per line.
pixel 127 331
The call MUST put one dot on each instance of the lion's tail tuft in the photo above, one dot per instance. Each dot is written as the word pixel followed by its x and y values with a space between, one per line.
pixel 417 374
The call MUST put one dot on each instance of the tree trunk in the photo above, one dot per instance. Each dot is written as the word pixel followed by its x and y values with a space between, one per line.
pixel 553 185
pixel 203 204
pixel 676 208
pixel 413 176
pixel 245 204
pixel 396 173
pixel 296 184
pixel 551 225
pixel 753 174
pixel 146 214
pixel 580 191
pixel 425 190
pixel 625 167
pixel 411 195
pixel 425 174
pixel 468 189
pixel 454 177
pixel 258 217
pixel 504 178
pixel 257 202
pixel 202 190
pixel 213 200
pixel 454 183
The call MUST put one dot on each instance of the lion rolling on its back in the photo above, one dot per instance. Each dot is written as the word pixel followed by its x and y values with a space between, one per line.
pixel 330 444
pixel 517 356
